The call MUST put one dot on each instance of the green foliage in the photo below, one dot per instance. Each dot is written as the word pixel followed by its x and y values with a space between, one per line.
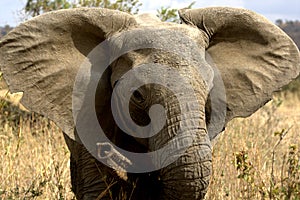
pixel 170 14
pixel 243 165
pixel 37 7
pixel 167 14
pixel 130 6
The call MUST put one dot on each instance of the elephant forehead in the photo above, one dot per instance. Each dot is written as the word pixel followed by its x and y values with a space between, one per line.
pixel 161 60
pixel 166 36
pixel 150 21
pixel 177 46
pixel 147 19
pixel 197 35
pixel 180 41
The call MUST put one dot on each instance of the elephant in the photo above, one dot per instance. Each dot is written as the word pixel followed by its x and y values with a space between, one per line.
pixel 127 72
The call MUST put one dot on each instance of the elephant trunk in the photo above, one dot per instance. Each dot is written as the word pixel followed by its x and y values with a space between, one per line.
pixel 187 177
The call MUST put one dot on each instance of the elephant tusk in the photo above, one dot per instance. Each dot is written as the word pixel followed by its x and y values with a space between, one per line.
pixel 108 154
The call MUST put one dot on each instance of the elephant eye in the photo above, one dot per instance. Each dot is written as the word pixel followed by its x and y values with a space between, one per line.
pixel 138 96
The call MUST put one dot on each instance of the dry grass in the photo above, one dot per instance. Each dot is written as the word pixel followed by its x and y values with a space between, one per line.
pixel 251 158
pixel 35 159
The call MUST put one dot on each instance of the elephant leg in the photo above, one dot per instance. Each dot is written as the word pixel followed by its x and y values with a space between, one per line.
pixel 90 179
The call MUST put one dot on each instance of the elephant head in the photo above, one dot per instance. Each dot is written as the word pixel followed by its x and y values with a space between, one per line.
pixel 126 73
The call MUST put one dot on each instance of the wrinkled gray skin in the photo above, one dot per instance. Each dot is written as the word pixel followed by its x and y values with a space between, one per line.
pixel 41 58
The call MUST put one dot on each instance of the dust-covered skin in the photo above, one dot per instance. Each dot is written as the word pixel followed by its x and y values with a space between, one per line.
pixel 42 58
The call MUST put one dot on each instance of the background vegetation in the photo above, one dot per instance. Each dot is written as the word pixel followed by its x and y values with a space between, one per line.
pixel 255 158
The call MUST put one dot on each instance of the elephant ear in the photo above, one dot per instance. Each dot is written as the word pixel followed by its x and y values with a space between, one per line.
pixel 41 57
pixel 255 58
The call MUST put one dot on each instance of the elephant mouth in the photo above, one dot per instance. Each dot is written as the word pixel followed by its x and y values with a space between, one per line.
pixel 108 154
pixel 142 185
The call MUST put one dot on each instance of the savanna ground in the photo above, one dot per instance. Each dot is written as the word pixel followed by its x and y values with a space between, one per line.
pixel 255 158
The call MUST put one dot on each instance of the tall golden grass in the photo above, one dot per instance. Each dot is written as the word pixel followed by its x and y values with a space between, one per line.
pixel 255 158
pixel 258 157
pixel 34 157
